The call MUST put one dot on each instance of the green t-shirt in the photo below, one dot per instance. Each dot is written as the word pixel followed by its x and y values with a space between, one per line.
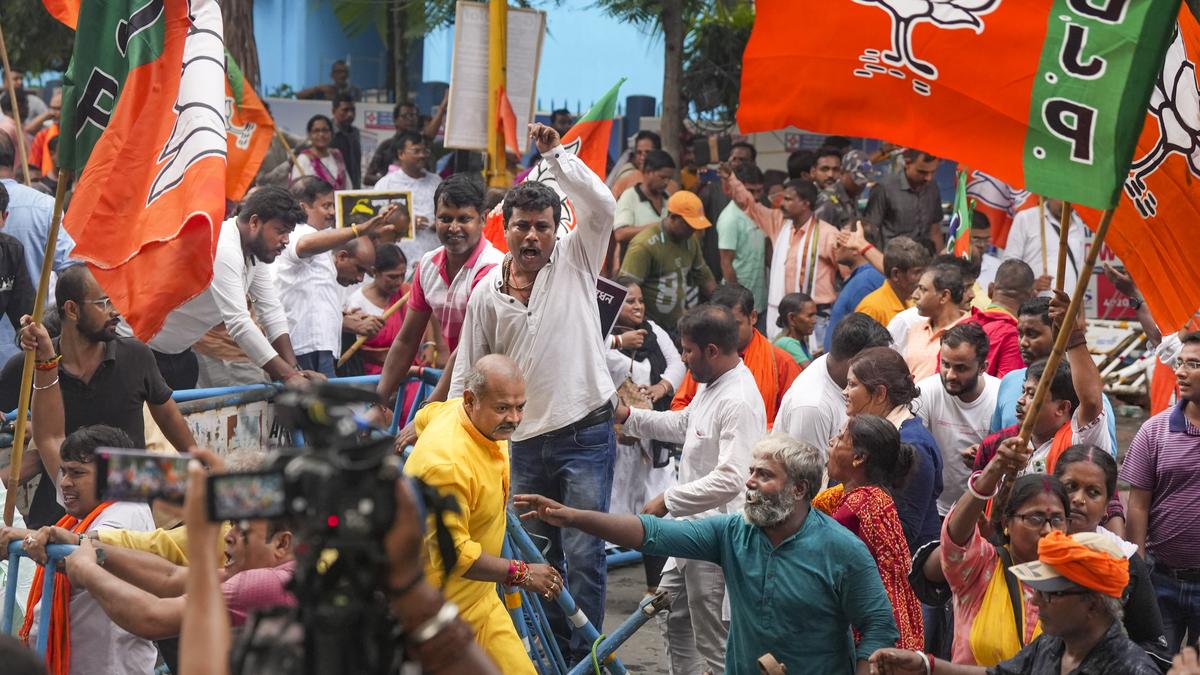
pixel 737 233
pixel 793 347
pixel 665 268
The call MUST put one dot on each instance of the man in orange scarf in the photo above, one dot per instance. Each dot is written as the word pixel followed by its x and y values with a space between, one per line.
pixel 773 368
pixel 82 639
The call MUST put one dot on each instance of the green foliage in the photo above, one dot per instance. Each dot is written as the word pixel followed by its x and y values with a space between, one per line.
pixel 357 16
pixel 36 41
pixel 282 91
pixel 712 53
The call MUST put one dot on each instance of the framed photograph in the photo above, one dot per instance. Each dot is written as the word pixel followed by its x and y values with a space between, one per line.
pixel 355 207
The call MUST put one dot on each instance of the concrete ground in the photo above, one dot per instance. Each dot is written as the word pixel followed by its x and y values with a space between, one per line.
pixel 645 652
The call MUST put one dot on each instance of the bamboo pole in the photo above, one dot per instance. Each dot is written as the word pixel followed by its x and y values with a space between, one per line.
pixel 12 100
pixel 1042 233
pixel 1064 234
pixel 39 303
pixel 362 339
pixel 288 148
pixel 1064 331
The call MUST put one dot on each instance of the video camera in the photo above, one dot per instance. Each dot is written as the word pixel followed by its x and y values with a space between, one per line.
pixel 340 494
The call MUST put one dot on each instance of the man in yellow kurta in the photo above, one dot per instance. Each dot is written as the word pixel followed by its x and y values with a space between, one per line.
pixel 462 450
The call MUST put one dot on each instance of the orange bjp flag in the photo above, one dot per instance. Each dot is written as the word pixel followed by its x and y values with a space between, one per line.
pixel 250 129
pixel 1048 95
pixel 1156 225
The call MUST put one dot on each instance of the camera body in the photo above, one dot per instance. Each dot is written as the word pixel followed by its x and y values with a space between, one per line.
pixel 339 494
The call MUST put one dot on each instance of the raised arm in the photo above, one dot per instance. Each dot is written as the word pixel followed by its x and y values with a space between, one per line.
pixel 594 205
pixel 964 518
pixel 1085 376
pixel 333 237
pixel 48 419
pixel 769 220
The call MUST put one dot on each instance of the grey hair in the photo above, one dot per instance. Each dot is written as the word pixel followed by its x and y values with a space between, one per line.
pixel 801 461
pixel 475 381
pixel 1114 608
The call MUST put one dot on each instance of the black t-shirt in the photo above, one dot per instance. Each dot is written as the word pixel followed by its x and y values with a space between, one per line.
pixel 126 378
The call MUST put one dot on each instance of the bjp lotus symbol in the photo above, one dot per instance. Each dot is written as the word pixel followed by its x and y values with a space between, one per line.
pixel 906 14
pixel 1175 101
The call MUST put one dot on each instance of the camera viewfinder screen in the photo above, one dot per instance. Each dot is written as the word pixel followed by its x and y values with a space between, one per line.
pixel 140 477
pixel 247 495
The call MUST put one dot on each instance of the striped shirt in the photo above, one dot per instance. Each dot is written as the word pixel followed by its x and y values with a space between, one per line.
pixel 1163 459
pixel 434 291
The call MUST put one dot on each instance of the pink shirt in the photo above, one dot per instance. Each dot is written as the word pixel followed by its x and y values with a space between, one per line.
pixel 256 589
pixel 434 291
pixel 969 571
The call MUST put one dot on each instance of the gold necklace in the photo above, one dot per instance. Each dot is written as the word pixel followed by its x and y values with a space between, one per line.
pixel 512 286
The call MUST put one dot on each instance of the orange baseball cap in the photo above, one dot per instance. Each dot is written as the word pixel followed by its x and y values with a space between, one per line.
pixel 687 205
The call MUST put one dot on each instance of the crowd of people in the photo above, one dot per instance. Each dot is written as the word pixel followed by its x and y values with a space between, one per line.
pixel 807 418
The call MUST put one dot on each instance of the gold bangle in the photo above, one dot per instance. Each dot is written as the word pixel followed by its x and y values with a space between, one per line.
pixel 354 229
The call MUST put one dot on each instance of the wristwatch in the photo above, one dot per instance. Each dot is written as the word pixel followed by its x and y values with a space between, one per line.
pixel 1136 302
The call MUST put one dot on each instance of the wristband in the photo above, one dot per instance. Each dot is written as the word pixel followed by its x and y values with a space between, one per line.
pixel 1078 338
pixel 435 625
pixel 924 662
pixel 974 493
pixel 868 247
pixel 49 364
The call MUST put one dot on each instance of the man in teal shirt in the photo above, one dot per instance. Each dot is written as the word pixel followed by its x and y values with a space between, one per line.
pixel 797 580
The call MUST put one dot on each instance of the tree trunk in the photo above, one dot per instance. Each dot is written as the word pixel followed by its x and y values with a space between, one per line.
pixel 238 19
pixel 672 98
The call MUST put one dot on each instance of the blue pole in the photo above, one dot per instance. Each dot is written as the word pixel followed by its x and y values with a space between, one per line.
pixel 646 609
pixel 576 616
pixel 514 604
pixel 10 588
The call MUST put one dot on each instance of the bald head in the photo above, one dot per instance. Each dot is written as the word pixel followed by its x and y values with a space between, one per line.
pixel 494 396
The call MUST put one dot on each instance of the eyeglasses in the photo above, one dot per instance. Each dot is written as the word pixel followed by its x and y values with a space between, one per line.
pixel 1051 596
pixel 1188 365
pixel 1039 519
pixel 105 304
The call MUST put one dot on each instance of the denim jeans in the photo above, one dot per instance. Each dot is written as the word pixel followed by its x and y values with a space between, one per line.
pixel 1179 602
pixel 321 362
pixel 575 469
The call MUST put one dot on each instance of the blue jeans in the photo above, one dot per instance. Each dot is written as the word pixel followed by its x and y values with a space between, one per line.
pixel 321 362
pixel 1179 602
pixel 575 469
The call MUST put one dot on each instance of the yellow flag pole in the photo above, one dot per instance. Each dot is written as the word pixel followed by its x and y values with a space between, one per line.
pixel 1064 331
pixel 12 100
pixel 39 303
pixel 497 155
pixel 362 339
pixel 1064 232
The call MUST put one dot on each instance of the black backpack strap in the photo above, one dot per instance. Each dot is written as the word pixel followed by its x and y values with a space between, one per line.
pixel 1014 593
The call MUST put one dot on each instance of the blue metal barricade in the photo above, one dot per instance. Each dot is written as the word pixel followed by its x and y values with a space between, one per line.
pixel 16 551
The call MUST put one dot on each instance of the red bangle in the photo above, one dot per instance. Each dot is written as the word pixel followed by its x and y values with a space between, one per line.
pixel 868 247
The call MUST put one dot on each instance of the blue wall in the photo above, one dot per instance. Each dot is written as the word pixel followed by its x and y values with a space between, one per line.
pixel 583 54
pixel 298 40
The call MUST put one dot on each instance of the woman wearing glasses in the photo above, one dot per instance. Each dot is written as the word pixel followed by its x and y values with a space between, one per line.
pixel 994 616
pixel 320 159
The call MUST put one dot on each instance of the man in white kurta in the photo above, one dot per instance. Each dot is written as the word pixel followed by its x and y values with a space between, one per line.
pixel 718 431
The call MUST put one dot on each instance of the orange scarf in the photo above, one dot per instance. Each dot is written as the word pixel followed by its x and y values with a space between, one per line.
pixel 1087 567
pixel 759 357
pixel 1062 440
pixel 58 643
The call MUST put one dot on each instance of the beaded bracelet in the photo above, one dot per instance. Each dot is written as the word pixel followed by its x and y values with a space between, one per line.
pixel 518 573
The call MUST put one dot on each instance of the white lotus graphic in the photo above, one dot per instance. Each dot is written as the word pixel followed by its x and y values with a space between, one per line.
pixel 1175 101
pixel 907 14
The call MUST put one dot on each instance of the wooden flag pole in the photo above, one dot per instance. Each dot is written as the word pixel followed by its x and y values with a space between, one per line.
pixel 288 148
pixel 1064 331
pixel 1064 234
pixel 12 100
pixel 39 303
pixel 1042 233
pixel 362 339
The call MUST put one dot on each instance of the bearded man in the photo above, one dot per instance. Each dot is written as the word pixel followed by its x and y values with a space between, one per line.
pixel 796 580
